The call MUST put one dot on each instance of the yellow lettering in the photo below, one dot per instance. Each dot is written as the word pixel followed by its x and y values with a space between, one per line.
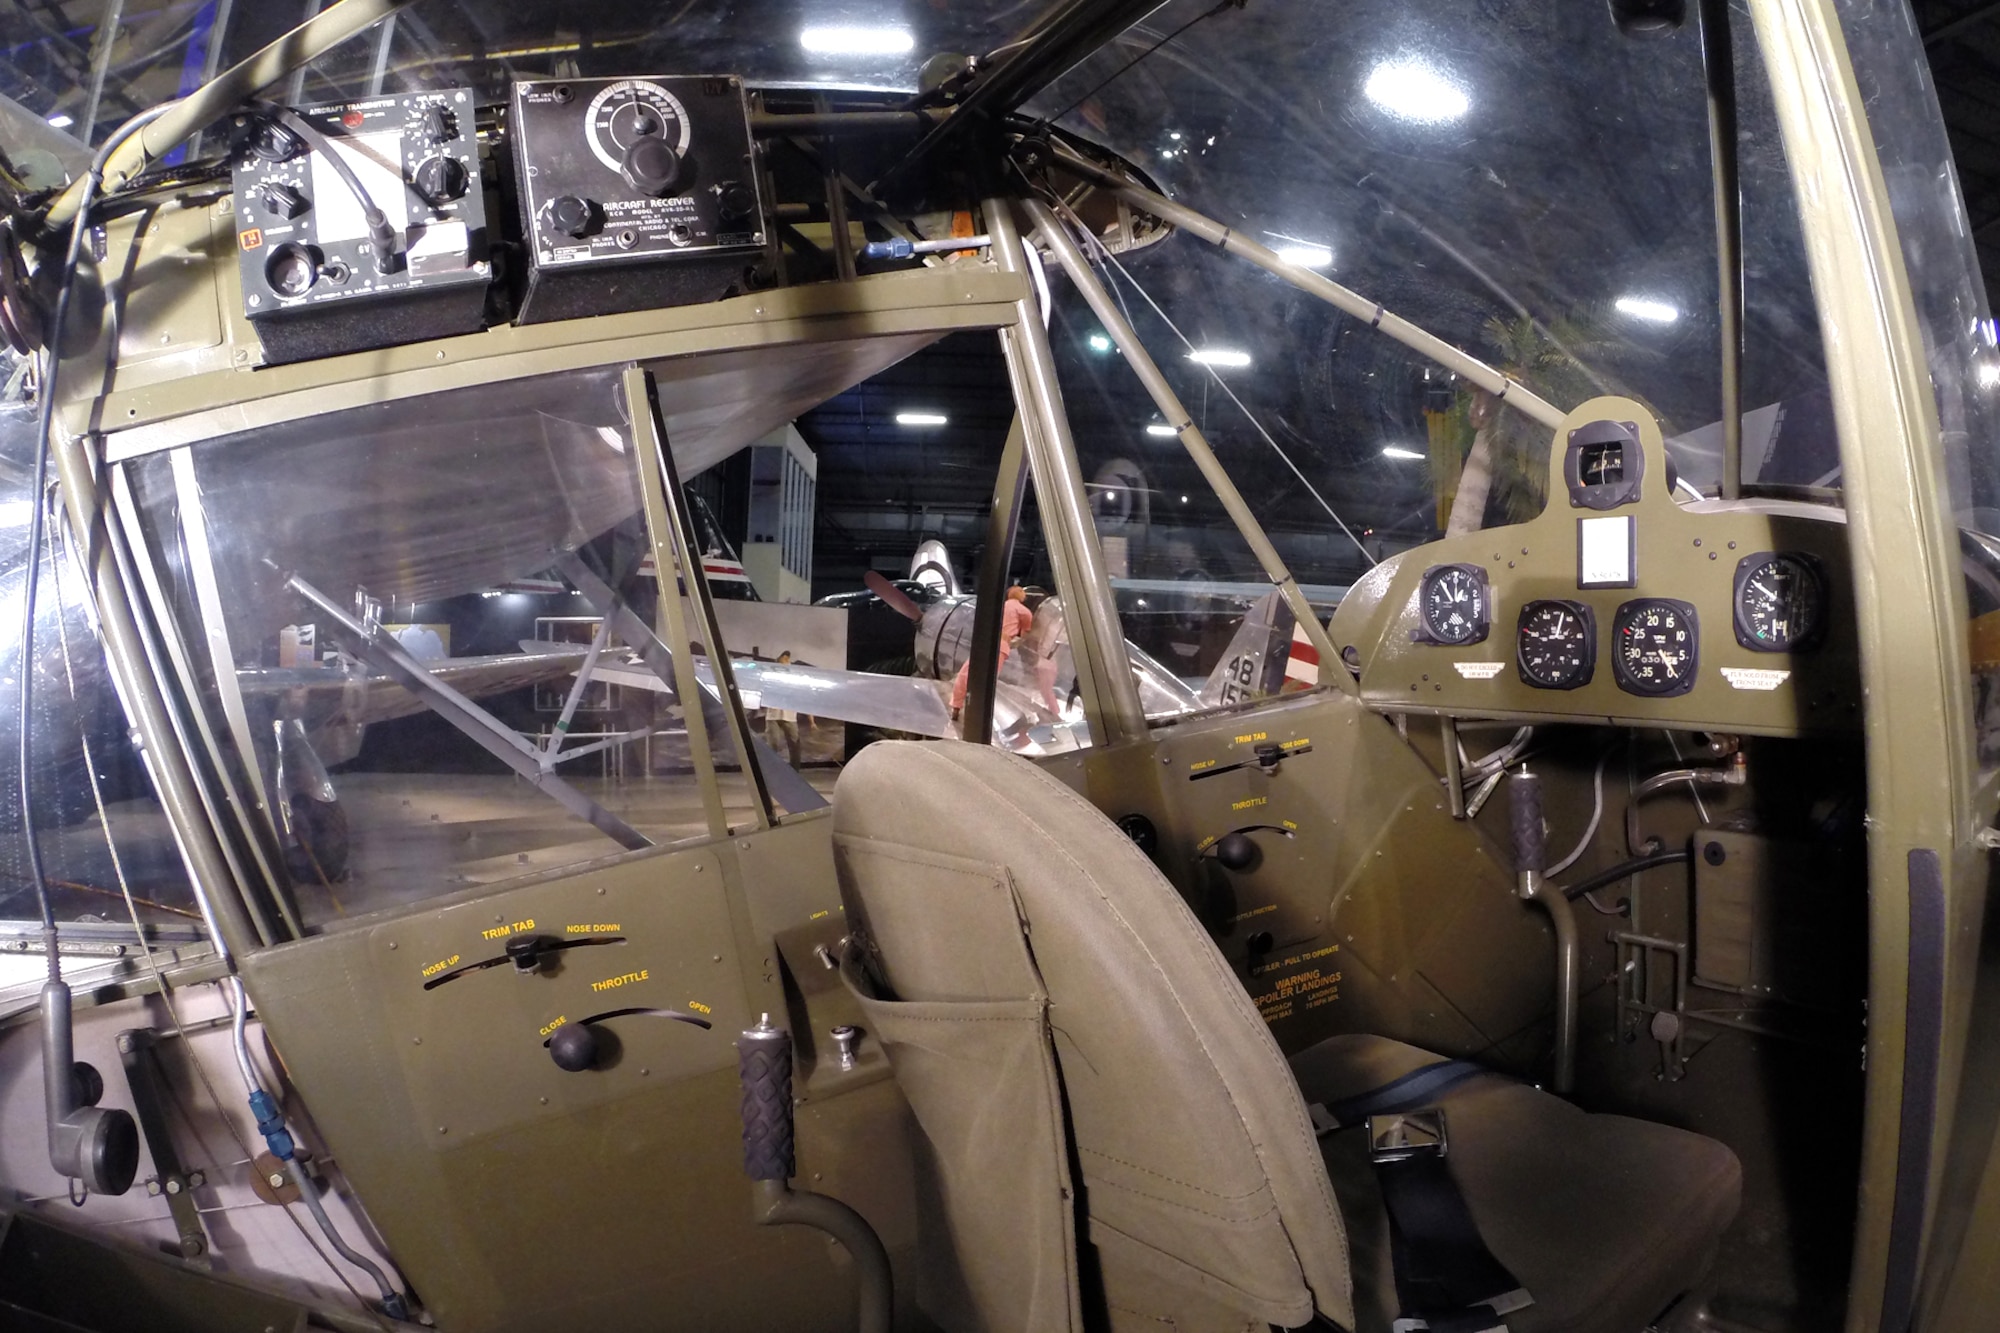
pixel 1255 911
pixel 699 1007
pixel 817 915
pixel 613 983
pixel 1249 801
pixel 560 1020
pixel 594 928
pixel 440 965
pixel 1298 744
pixel 520 926
pixel 1290 825
pixel 1248 737
pixel 1200 764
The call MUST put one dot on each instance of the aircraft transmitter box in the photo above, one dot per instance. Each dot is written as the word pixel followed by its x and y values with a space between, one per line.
pixel 634 193
pixel 314 281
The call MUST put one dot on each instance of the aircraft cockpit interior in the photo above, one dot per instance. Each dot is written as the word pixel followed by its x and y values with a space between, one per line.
pixel 1088 666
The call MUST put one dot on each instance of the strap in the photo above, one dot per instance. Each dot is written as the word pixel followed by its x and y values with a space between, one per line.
pixel 1446 1278
pixel 1420 1087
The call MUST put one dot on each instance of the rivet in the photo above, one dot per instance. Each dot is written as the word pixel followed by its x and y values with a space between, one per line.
pixel 543 1100
pixel 416 1041
pixel 392 944
pixel 443 1129
pixel 644 1072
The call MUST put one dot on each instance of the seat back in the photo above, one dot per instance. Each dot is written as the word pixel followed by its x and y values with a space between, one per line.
pixel 972 879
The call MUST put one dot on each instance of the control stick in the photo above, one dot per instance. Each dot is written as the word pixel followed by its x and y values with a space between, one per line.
pixel 764 1063
pixel 1531 858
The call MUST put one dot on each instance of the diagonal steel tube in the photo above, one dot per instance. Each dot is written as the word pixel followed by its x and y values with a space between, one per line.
pixel 1510 391
pixel 381 651
pixel 1064 246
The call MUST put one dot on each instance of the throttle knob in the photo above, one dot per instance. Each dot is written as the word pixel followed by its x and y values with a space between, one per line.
pixel 649 166
pixel 573 215
pixel 1236 851
pixel 573 1046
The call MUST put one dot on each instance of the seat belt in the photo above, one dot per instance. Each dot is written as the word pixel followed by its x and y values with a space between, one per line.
pixel 1447 1281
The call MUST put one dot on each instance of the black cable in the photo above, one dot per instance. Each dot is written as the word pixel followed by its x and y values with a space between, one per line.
pixel 45 427
pixel 381 236
pixel 1624 870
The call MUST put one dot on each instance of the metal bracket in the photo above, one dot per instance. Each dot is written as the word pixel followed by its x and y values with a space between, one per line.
pixel 138 1051
pixel 1640 1003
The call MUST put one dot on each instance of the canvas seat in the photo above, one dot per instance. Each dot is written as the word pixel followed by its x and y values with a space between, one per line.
pixel 1110 1135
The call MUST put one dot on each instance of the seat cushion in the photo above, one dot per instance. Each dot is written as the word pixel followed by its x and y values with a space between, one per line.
pixel 1604 1219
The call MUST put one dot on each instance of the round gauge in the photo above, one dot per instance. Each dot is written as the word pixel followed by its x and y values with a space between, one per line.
pixel 630 110
pixel 1453 602
pixel 1556 645
pixel 1655 647
pixel 1780 601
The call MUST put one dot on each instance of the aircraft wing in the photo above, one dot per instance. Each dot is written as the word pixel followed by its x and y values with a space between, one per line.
pixel 370 696
pixel 895 703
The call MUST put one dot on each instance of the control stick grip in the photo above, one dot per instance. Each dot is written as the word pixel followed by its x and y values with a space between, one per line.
pixel 764 1063
pixel 1524 816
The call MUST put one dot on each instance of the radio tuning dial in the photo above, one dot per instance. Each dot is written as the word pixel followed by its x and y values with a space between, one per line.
pixel 650 166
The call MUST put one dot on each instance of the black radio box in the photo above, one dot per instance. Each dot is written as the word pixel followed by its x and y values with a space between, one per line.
pixel 313 284
pixel 634 193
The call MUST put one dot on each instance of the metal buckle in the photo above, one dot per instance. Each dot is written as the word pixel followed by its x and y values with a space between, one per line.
pixel 1406 1134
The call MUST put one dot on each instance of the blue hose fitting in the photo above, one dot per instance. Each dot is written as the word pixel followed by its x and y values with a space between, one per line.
pixel 271 1124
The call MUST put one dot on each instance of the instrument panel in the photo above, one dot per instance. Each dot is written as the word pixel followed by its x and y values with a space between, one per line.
pixel 1616 604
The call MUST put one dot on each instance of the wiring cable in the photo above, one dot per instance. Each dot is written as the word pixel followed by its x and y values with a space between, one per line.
pixel 1596 816
pixel 31 582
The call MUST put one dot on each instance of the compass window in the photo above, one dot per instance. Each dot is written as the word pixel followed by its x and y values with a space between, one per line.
pixel 1603 464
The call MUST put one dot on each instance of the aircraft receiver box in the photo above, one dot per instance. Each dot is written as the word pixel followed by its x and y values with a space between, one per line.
pixel 634 193
pixel 313 281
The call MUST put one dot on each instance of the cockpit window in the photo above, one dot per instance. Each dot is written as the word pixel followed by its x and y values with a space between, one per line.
pixel 1961 350
pixel 1520 180
pixel 430 632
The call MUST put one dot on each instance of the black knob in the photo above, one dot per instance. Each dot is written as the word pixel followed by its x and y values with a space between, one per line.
pixel 527 951
pixel 573 215
pixel 649 166
pixel 1141 831
pixel 282 200
pixel 1524 816
pixel 1236 851
pixel 573 1046
pixel 439 124
pixel 440 179
pixel 274 143
pixel 734 199
pixel 1268 755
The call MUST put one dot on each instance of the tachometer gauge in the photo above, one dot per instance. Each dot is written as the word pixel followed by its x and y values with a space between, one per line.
pixel 1655 647
pixel 1780 604
pixel 1453 605
pixel 622 113
pixel 1556 645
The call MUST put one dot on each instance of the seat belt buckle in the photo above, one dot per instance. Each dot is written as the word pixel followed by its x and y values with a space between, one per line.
pixel 1402 1135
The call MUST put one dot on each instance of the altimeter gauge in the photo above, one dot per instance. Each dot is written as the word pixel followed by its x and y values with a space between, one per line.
pixel 1555 645
pixel 1780 601
pixel 1454 605
pixel 1655 647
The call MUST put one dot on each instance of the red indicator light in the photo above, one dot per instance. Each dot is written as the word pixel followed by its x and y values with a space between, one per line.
pixel 352 120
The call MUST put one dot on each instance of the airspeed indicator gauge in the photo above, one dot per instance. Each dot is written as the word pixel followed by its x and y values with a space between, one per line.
pixel 1555 645
pixel 1655 647
pixel 622 113
pixel 1453 604
pixel 1780 603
